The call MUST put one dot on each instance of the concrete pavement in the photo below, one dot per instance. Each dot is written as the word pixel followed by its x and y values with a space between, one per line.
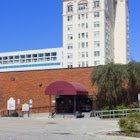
pixel 43 128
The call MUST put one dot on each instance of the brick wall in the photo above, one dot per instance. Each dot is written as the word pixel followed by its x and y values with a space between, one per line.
pixel 32 84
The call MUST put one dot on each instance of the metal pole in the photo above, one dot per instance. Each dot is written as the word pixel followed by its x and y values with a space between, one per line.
pixel 29 113
pixel 75 104
pixel 50 104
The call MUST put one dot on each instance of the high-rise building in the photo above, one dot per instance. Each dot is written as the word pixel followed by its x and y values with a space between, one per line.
pixel 95 32
pixel 121 33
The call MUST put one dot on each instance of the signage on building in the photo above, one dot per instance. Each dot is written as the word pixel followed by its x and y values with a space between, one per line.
pixel 25 107
pixel 11 104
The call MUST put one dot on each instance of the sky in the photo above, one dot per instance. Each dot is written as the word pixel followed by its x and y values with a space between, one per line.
pixel 37 24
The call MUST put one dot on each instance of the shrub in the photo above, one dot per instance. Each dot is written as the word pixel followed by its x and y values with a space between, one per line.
pixel 130 124
pixel 120 107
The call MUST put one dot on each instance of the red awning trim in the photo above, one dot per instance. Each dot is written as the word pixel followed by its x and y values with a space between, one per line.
pixel 65 88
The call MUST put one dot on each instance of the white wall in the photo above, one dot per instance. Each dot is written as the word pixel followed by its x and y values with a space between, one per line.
pixel 121 53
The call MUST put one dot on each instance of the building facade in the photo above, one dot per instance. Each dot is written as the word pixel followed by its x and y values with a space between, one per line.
pixel 95 32
pixel 31 60
pixel 26 85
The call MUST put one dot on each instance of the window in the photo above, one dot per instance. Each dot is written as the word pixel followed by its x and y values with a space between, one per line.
pixel 86 35
pixel 47 59
pixel 83 35
pixel 70 37
pixel 53 58
pixel 83 25
pixel 70 8
pixel 47 54
pixel 16 57
pixel 83 55
pixel 86 16
pixel 70 46
pixel 79 17
pixel 86 25
pixel 11 61
pixel 79 35
pixel 96 34
pixel 28 60
pixel 40 55
pixel 79 64
pixel 69 18
pixel 69 55
pixel 83 44
pixel 96 24
pixel 70 65
pixel 69 28
pixel 96 63
pixel 86 44
pixel 22 56
pixel 83 64
pixel 86 63
pixel 96 3
pixel 16 61
pixel 86 54
pixel 34 60
pixel 10 57
pixel 96 53
pixel 5 58
pixel 82 16
pixel 28 56
pixel 4 62
pixel 82 6
pixel 22 60
pixel 53 54
pixel 96 14
pixel 96 44
pixel 34 55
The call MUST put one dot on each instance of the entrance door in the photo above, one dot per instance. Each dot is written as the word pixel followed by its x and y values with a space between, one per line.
pixel 65 104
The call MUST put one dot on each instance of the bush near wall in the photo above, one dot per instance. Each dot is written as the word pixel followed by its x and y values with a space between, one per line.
pixel 130 124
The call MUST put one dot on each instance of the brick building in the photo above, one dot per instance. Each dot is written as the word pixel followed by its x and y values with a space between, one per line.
pixel 32 84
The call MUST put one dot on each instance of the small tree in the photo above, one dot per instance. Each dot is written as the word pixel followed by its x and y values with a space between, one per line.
pixel 109 79
pixel 117 84
pixel 133 78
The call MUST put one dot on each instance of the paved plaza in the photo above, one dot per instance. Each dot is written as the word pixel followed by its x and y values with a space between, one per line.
pixel 43 128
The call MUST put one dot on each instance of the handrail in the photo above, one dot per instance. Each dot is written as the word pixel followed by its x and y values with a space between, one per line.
pixel 113 113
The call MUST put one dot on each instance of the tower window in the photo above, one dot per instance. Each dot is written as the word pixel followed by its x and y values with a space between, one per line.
pixel 96 14
pixel 70 8
pixel 82 6
pixel 96 3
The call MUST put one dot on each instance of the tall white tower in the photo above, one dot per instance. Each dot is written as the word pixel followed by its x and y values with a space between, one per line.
pixel 121 33
pixel 91 30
